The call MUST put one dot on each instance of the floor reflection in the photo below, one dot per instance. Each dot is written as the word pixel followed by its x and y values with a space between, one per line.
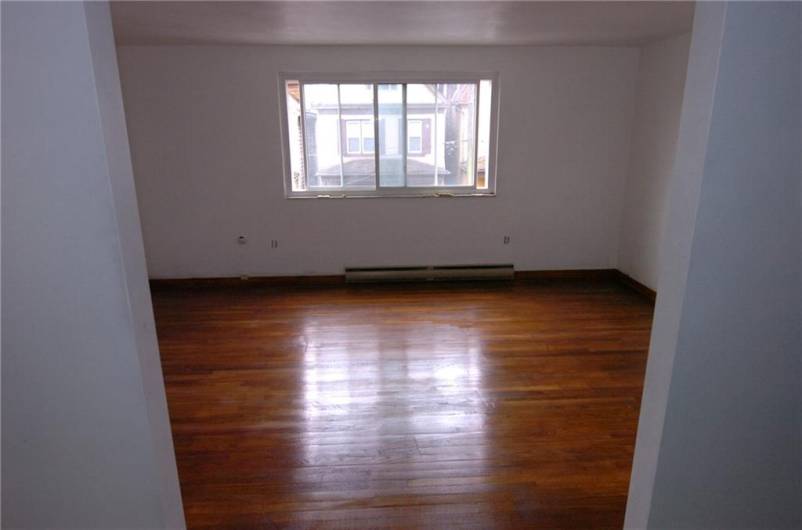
pixel 392 409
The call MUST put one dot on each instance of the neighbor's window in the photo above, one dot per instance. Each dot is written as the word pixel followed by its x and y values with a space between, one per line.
pixel 359 137
pixel 389 138
pixel 414 136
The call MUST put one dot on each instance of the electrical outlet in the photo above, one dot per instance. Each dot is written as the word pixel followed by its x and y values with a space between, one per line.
pixel 506 240
pixel 274 243
pixel 242 240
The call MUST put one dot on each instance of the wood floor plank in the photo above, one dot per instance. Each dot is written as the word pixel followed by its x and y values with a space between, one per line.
pixel 404 406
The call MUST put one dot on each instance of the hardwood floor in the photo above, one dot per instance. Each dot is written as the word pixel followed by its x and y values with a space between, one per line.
pixel 404 406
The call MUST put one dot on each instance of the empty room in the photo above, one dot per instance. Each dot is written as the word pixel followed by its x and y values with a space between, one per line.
pixel 401 264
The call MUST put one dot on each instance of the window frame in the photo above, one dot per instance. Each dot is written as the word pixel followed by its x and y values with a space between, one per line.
pixel 375 79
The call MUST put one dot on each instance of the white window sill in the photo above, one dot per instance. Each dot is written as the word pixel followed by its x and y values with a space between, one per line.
pixel 391 195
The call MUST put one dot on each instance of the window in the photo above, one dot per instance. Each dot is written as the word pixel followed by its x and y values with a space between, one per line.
pixel 359 137
pixel 415 136
pixel 385 136
pixel 354 135
pixel 367 136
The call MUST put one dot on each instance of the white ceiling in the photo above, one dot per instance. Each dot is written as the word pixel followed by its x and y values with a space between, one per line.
pixel 399 22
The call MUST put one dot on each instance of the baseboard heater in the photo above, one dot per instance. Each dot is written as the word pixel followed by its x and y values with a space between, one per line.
pixel 429 273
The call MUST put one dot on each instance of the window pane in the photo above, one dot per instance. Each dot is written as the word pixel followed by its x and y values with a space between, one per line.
pixel 367 136
pixel 356 108
pixel 422 140
pixel 415 136
pixel 391 135
pixel 456 130
pixel 367 145
pixel 296 143
pixel 483 142
pixel 322 135
pixel 353 133
pixel 353 145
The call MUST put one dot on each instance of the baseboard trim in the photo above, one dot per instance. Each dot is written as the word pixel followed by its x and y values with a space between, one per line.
pixel 226 281
pixel 593 275
pixel 635 285
pixel 587 275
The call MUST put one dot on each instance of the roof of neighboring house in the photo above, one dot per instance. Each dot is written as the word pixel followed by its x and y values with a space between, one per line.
pixel 294 90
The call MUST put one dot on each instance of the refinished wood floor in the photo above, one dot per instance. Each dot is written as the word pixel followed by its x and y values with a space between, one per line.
pixel 407 406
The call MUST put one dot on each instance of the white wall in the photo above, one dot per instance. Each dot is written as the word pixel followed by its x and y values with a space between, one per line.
pixel 204 130
pixel 86 440
pixel 719 436
pixel 126 209
pixel 661 78
pixel 685 185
